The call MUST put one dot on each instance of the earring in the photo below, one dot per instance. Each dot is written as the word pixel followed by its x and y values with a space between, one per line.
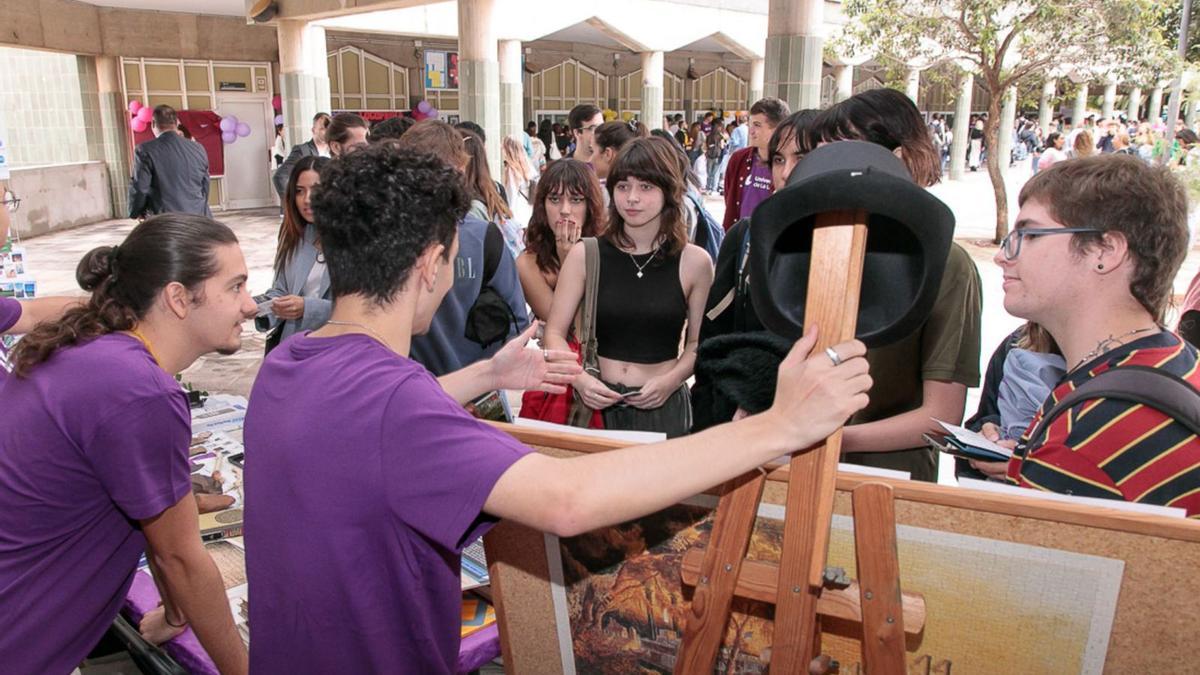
pixel 1100 266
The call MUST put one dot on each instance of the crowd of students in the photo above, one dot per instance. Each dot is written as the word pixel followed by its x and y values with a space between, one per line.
pixel 399 289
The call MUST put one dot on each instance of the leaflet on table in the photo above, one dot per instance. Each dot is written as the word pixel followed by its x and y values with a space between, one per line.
pixel 967 437
pixel 221 412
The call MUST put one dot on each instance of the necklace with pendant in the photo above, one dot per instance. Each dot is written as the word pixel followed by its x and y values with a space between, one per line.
pixel 373 334
pixel 1110 343
pixel 643 265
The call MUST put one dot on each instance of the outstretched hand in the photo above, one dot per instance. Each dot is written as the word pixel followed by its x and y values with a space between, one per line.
pixel 519 368
pixel 813 396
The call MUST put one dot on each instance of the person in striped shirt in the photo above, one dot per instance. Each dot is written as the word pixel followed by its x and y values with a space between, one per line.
pixel 1102 292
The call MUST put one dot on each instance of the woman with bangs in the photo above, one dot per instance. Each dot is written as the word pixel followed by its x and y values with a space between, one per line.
pixel 652 284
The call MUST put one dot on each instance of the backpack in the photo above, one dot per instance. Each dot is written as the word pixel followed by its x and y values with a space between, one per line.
pixel 713 145
pixel 709 233
pixel 490 317
pixel 1154 388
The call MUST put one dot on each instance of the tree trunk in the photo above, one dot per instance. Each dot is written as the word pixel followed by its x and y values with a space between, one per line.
pixel 991 135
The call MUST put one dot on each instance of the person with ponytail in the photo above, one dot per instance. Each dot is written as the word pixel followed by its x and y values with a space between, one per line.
pixel 300 298
pixel 94 449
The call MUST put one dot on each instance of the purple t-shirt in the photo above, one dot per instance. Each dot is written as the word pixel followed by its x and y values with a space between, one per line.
pixel 756 187
pixel 10 312
pixel 364 480
pixel 91 441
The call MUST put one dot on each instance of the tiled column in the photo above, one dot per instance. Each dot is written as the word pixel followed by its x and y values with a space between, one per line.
pixel 1080 110
pixel 108 141
pixel 511 89
pixel 1045 110
pixel 652 89
pixel 843 77
pixel 1135 104
pixel 795 43
pixel 1008 117
pixel 757 75
pixel 303 77
pixel 1110 100
pixel 1154 111
pixel 962 126
pixel 479 73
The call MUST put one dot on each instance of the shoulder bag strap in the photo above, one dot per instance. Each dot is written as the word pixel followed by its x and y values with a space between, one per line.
pixel 1152 387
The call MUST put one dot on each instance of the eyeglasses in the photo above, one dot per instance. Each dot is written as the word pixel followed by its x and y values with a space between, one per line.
pixel 11 202
pixel 1011 244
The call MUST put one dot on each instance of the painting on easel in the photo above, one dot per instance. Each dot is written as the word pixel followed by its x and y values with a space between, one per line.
pixel 625 600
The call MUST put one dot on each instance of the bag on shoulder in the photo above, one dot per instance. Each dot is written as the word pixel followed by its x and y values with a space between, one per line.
pixel 1154 388
pixel 490 317
pixel 581 415
pixel 709 234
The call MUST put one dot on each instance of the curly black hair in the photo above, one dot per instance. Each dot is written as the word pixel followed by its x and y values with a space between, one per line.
pixel 392 127
pixel 377 210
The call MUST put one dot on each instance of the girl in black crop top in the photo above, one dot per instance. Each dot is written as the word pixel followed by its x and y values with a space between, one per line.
pixel 652 288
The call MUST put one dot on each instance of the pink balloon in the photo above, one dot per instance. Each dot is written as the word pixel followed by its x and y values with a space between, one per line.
pixel 228 137
pixel 243 129
pixel 277 102
pixel 134 106
pixel 138 125
pixel 145 114
pixel 229 123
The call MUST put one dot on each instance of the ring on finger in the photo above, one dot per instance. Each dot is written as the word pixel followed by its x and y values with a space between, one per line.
pixel 833 356
pixel 545 355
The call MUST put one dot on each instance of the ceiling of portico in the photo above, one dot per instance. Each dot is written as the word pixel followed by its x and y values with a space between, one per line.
pixel 220 7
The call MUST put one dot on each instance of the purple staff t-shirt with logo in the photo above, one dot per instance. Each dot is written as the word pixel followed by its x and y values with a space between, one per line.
pixel 756 187
pixel 91 441
pixel 10 313
pixel 364 481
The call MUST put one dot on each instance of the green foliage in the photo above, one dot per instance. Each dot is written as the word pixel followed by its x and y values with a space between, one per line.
pixel 1171 15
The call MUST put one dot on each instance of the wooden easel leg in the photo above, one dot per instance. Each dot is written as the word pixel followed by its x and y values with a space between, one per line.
pixel 713 597
pixel 879 580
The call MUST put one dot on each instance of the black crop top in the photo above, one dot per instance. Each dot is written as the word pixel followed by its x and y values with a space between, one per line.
pixel 639 320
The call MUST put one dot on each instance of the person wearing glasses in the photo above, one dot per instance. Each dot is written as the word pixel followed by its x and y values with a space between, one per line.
pixel 584 118
pixel 1092 258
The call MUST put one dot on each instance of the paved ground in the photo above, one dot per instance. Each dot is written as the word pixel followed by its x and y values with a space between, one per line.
pixel 52 258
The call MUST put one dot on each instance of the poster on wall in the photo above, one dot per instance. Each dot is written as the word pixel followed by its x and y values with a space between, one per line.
pixel 441 70
pixel 3 148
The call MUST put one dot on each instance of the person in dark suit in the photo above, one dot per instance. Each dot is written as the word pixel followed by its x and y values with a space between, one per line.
pixel 170 173
pixel 314 147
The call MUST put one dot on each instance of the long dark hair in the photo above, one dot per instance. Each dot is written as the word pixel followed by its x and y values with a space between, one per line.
pixel 291 230
pixel 652 160
pixel 125 280
pixel 546 133
pixel 885 117
pixel 569 178
pixel 479 177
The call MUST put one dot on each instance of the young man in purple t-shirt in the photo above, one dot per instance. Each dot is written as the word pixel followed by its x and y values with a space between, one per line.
pixel 365 478
pixel 748 175
pixel 94 449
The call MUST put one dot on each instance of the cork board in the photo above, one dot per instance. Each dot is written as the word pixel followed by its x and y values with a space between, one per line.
pixel 1155 610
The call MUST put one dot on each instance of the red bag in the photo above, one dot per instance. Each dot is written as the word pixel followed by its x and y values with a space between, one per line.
pixel 556 408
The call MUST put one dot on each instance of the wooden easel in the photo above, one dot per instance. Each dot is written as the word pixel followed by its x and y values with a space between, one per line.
pixel 835 279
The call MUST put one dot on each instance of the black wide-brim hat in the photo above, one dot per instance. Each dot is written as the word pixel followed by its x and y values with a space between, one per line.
pixel 909 232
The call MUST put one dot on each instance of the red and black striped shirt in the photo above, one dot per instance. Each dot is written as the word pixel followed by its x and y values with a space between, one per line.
pixel 1116 449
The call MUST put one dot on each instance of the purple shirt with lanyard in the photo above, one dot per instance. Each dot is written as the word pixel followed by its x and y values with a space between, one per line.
pixel 360 495
pixel 91 441
pixel 756 188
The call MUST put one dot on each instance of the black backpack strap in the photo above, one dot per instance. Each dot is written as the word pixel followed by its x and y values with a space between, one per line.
pixel 1152 387
pixel 493 248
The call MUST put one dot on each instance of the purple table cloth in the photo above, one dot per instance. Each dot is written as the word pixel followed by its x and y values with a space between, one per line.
pixel 475 651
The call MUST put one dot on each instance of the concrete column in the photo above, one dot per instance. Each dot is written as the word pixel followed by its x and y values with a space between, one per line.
pixel 1193 109
pixel 757 69
pixel 479 73
pixel 843 77
pixel 1045 110
pixel 795 44
pixel 303 77
pixel 1110 100
pixel 1080 110
pixel 912 84
pixel 112 137
pixel 511 89
pixel 1008 117
pixel 962 119
pixel 1154 110
pixel 652 90
pixel 1135 104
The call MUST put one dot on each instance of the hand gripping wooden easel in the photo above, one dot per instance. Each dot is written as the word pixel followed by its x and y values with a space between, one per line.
pixel 799 587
